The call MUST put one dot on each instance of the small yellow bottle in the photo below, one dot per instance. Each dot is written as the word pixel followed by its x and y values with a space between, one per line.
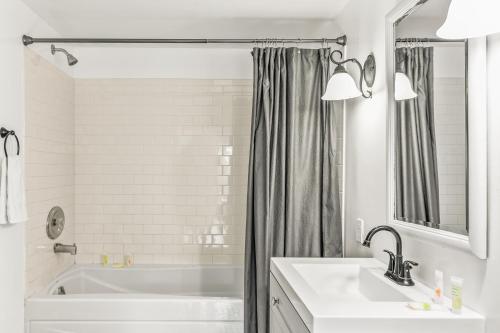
pixel 104 260
pixel 456 294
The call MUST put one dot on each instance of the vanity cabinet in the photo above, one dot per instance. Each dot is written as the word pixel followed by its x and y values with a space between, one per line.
pixel 283 316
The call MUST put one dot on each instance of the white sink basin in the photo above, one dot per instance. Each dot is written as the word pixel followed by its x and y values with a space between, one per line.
pixel 348 282
pixel 353 296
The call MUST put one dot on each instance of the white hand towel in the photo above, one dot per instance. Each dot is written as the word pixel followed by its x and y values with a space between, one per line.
pixel 3 192
pixel 15 192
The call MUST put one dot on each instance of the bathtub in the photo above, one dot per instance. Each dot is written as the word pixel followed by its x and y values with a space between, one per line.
pixel 142 298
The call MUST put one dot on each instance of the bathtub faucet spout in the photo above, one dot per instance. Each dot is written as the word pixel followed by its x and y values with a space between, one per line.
pixel 61 248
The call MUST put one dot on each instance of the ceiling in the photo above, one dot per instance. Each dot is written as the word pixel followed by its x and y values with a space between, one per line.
pixel 181 18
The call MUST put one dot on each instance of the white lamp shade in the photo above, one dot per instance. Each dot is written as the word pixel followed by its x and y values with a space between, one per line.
pixel 402 88
pixel 471 19
pixel 341 86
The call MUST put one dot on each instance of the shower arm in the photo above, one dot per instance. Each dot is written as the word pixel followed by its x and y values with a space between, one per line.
pixel 58 49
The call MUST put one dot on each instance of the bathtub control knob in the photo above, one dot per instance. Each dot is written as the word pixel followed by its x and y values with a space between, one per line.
pixel 55 222
pixel 275 301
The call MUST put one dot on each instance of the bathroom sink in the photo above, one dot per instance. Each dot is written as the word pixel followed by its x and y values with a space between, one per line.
pixel 349 282
pixel 352 296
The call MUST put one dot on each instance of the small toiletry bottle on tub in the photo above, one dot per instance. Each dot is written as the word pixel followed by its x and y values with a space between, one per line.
pixel 456 294
pixel 104 260
pixel 128 260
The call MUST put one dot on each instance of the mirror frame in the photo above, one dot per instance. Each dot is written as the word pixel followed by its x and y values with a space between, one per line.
pixel 477 196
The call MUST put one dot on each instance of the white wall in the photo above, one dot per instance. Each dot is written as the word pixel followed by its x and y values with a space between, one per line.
pixel 162 62
pixel 366 172
pixel 15 19
pixel 365 160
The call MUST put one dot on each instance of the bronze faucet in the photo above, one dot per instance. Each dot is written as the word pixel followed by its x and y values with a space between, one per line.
pixel 398 270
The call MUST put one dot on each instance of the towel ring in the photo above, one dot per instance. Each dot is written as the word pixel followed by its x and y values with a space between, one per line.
pixel 4 134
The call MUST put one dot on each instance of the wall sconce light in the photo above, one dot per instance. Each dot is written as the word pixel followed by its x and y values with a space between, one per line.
pixel 471 19
pixel 402 88
pixel 342 86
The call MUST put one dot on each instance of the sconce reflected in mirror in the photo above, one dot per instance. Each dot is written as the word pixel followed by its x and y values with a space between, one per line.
pixel 402 88
pixel 470 19
pixel 342 86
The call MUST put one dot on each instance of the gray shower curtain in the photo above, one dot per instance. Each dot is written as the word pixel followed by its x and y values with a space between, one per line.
pixel 416 170
pixel 293 207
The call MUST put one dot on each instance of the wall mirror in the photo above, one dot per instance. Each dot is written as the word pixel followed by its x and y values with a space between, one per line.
pixel 437 170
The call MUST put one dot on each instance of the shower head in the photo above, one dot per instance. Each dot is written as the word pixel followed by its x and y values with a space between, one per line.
pixel 71 58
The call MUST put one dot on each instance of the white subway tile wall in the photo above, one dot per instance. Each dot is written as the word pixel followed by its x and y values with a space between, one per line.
pixel 450 123
pixel 161 169
pixel 49 161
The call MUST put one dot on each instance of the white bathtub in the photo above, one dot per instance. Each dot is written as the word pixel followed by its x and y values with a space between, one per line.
pixel 152 299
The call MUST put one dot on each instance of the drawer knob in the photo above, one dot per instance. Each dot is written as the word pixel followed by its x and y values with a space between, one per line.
pixel 275 301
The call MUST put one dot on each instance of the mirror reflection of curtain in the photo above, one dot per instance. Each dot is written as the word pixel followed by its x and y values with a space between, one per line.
pixel 293 207
pixel 416 170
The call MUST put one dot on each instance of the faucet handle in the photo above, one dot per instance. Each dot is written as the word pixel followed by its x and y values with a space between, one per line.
pixel 391 255
pixel 407 266
pixel 392 263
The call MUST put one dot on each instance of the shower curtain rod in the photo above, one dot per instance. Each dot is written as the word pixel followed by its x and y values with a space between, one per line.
pixel 28 40
pixel 429 40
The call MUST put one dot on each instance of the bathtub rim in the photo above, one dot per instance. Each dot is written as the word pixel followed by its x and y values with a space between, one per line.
pixel 45 293
pixel 135 307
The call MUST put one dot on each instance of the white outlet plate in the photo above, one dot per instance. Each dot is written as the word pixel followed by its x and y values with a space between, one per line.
pixel 360 230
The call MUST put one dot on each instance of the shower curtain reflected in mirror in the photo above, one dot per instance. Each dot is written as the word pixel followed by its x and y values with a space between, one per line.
pixel 293 207
pixel 416 170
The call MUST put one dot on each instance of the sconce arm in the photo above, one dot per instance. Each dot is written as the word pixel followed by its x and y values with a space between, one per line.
pixel 362 70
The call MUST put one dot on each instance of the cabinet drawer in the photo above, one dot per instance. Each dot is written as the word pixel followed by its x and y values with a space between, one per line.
pixel 283 316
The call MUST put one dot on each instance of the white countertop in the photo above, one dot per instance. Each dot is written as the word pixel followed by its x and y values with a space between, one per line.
pixel 323 303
